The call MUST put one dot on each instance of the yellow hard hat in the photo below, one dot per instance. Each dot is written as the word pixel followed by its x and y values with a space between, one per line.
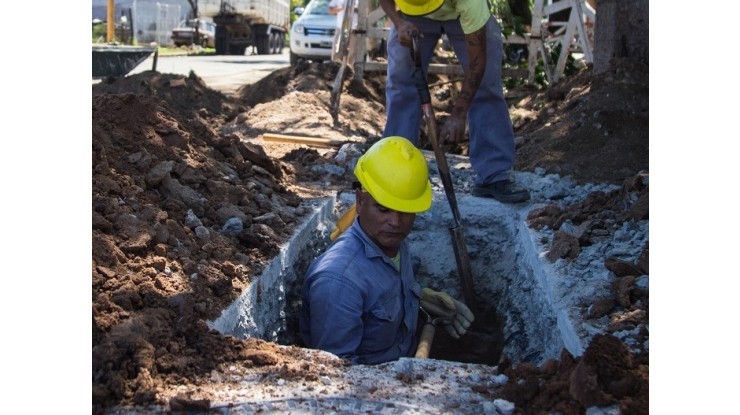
pixel 418 7
pixel 396 175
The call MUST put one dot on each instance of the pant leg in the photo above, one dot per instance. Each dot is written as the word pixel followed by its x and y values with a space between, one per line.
pixel 352 50
pixel 402 108
pixel 489 124
pixel 402 103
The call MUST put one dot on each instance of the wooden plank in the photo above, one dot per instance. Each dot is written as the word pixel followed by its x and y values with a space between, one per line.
pixel 437 68
pixel 309 141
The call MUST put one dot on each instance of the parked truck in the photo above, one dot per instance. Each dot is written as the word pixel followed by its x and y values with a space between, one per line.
pixel 240 24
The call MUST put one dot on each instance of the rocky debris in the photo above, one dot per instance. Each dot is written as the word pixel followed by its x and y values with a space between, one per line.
pixel 182 218
pixel 622 309
pixel 187 208
pixel 596 218
pixel 605 375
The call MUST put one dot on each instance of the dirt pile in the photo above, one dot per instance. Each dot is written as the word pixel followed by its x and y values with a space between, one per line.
pixel 189 204
pixel 591 127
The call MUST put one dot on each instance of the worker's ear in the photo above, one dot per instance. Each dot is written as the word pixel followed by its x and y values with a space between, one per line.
pixel 359 197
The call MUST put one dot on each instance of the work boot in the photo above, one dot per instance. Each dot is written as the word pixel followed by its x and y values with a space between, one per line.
pixel 505 191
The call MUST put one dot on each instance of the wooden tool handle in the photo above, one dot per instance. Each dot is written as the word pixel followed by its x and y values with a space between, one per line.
pixel 309 141
pixel 425 342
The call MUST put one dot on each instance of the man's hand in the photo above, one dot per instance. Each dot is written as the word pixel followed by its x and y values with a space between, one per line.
pixel 452 131
pixel 441 304
pixel 406 31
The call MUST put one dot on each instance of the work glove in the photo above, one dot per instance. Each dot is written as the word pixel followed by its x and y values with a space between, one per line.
pixel 439 304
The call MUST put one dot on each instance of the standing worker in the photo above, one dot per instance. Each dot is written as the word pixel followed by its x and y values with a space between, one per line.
pixel 476 38
pixel 360 297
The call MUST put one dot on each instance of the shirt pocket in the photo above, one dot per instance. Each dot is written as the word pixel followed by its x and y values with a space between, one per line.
pixel 382 325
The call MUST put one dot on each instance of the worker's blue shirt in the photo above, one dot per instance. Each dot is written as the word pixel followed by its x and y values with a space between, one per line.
pixel 357 305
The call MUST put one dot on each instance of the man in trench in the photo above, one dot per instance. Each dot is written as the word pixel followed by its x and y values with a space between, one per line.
pixel 360 298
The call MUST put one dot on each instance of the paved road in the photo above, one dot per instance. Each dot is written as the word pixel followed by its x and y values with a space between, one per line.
pixel 223 73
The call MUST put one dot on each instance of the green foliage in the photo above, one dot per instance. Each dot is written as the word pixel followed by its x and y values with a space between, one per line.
pixel 510 23
pixel 515 54
pixel 293 5
pixel 99 33
pixel 570 67
pixel 162 50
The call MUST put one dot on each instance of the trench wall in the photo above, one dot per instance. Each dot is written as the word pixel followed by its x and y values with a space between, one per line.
pixel 507 270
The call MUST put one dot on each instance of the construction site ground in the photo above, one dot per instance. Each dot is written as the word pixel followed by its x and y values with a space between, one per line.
pixel 173 160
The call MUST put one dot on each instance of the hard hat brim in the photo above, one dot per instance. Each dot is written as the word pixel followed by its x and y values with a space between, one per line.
pixel 414 10
pixel 418 205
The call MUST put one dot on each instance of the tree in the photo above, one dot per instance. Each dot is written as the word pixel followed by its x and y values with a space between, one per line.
pixel 194 14
pixel 523 9
pixel 193 8
pixel 621 32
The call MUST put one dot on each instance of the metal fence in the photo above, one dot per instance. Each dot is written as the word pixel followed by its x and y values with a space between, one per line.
pixel 154 21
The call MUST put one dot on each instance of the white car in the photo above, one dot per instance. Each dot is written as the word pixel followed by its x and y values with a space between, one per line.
pixel 184 34
pixel 312 33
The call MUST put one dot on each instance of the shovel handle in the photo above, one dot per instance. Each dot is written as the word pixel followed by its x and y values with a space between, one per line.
pixel 427 112
pixel 425 341
pixel 458 236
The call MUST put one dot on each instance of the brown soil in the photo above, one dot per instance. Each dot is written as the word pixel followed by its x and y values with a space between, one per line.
pixel 173 160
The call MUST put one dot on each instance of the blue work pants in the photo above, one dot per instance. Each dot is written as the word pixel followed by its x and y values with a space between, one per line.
pixel 489 125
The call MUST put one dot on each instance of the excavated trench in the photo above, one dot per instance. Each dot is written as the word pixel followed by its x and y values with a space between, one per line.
pixel 514 316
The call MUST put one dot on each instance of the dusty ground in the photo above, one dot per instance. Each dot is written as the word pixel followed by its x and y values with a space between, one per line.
pixel 189 204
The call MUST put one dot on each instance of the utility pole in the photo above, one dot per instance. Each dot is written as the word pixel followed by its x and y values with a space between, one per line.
pixel 110 22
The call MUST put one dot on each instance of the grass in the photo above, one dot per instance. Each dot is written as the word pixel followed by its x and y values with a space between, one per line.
pixel 184 50
pixel 99 35
pixel 164 51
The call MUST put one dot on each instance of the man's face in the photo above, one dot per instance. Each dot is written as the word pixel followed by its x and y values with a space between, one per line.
pixel 386 227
